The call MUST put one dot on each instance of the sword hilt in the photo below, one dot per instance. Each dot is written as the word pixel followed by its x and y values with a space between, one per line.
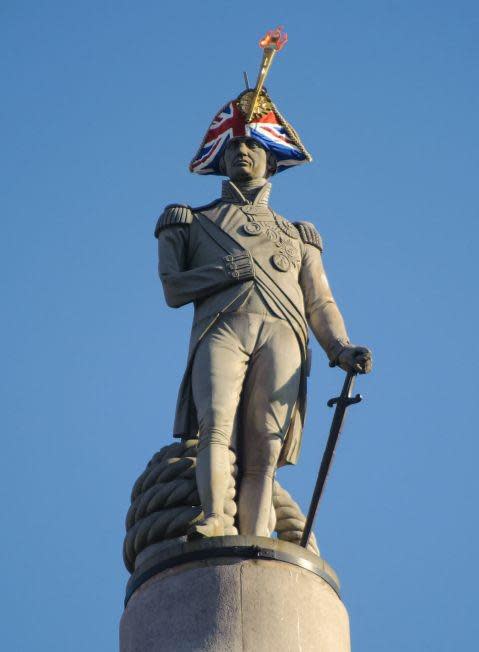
pixel 345 400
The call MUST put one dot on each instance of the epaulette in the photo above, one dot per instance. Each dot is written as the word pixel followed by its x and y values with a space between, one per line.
pixel 309 234
pixel 174 215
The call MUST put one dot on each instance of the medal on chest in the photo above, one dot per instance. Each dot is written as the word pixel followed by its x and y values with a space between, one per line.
pixel 279 231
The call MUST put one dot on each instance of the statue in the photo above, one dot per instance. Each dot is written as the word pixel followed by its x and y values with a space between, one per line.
pixel 258 285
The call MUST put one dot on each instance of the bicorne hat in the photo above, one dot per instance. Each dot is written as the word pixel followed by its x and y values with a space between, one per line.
pixel 266 125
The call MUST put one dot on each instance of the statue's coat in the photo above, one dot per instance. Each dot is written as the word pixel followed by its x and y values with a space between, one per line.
pixel 202 255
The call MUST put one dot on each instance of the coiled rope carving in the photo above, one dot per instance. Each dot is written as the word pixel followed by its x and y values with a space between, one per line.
pixel 165 503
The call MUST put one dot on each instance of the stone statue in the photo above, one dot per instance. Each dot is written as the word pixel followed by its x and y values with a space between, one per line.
pixel 258 284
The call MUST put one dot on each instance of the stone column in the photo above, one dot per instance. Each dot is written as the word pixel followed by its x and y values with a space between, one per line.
pixel 233 594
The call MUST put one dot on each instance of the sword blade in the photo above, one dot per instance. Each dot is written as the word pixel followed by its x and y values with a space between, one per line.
pixel 342 402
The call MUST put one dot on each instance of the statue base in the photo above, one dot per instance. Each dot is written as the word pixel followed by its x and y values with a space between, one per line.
pixel 235 593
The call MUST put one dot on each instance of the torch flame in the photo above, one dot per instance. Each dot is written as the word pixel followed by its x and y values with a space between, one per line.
pixel 274 37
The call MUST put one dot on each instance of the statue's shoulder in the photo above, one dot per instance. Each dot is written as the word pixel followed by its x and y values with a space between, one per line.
pixel 309 234
pixel 174 215
pixel 206 207
pixel 179 215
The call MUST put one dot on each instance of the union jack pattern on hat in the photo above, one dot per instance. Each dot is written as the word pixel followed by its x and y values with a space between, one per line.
pixel 267 126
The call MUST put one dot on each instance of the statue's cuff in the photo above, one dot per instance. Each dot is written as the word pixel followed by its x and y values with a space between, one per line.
pixel 336 349
pixel 240 267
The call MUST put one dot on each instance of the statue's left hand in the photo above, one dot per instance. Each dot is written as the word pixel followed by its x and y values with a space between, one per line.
pixel 355 358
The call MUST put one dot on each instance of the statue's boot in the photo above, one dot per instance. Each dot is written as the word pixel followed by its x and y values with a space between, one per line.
pixel 213 471
pixel 212 526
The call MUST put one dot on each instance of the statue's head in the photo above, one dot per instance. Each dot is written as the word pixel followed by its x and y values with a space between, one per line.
pixel 245 158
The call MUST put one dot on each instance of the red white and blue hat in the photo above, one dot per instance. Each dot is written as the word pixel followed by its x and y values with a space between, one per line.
pixel 266 125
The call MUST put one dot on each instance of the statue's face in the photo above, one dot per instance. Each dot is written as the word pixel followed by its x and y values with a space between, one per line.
pixel 245 159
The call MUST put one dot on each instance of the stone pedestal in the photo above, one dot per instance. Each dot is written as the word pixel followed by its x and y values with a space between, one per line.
pixel 233 594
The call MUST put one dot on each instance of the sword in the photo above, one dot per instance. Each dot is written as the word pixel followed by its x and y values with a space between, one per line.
pixel 342 402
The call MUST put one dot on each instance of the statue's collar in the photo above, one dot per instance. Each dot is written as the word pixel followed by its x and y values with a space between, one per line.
pixel 232 194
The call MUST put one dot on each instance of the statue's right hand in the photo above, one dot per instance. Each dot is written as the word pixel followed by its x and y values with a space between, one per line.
pixel 355 358
pixel 239 267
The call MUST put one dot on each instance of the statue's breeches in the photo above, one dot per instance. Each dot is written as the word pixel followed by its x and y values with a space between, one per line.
pixel 245 381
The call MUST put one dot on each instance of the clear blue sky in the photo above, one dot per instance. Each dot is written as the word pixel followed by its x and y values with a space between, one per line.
pixel 103 105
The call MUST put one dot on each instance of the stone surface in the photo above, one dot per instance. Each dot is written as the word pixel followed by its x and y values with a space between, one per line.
pixel 232 604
